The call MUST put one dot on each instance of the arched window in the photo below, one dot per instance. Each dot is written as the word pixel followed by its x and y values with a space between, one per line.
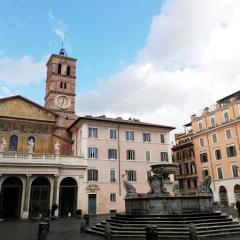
pixel 61 84
pixel 65 85
pixel 68 70
pixel 191 153
pixel 59 68
pixel 13 143
pixel 193 168
pixel 183 155
pixel 226 117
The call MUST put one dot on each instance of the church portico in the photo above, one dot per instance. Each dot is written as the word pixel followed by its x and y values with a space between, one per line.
pixel 43 181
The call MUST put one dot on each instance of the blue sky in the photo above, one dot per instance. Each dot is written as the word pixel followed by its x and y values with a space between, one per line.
pixel 103 35
pixel 158 60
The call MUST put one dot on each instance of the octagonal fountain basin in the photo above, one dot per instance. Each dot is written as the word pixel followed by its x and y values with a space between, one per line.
pixel 164 168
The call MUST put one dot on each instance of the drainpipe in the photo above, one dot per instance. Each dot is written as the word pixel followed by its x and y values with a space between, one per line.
pixel 119 160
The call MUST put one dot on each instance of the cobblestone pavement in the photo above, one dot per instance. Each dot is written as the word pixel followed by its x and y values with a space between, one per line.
pixel 62 229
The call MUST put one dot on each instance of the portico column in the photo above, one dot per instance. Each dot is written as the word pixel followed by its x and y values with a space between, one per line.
pixel 26 197
pixel 55 189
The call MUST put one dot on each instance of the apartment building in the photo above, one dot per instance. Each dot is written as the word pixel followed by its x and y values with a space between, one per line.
pixel 113 146
pixel 215 135
pixel 183 154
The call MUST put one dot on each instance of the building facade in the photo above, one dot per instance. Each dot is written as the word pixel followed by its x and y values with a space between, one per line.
pixel 215 135
pixel 183 154
pixel 49 156
pixel 113 147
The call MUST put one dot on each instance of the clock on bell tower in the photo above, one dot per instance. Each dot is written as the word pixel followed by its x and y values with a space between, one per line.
pixel 60 89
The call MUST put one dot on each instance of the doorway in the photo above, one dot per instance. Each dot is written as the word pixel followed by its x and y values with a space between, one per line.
pixel 10 199
pixel 223 196
pixel 68 197
pixel 92 204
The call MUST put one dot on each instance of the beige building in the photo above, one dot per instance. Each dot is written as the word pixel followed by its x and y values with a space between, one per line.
pixel 113 146
pixel 215 134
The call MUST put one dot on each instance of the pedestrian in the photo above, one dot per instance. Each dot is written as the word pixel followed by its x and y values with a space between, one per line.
pixel 238 207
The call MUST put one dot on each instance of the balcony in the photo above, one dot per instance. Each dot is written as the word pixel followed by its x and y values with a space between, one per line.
pixel 43 160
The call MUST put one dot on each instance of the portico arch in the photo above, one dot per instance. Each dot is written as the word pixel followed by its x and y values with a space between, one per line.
pixel 237 192
pixel 10 197
pixel 68 196
pixel 39 198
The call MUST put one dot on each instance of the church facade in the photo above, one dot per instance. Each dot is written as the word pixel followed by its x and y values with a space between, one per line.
pixel 50 157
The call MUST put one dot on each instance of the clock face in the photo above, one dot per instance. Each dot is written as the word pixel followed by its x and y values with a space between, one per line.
pixel 63 102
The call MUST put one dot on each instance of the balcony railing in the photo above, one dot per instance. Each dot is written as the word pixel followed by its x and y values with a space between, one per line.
pixel 36 159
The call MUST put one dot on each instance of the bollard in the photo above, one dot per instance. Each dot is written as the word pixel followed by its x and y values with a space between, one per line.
pixel 192 232
pixel 82 225
pixel 47 220
pixel 151 232
pixel 107 231
pixel 86 218
pixel 42 231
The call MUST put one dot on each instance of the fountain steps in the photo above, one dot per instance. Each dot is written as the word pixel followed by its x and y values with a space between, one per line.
pixel 168 227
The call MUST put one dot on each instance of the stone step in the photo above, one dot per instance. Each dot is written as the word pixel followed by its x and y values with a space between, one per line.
pixel 220 230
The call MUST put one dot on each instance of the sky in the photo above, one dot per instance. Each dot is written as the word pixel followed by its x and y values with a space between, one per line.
pixel 160 61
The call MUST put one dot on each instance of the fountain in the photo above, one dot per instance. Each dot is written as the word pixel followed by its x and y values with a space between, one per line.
pixel 161 201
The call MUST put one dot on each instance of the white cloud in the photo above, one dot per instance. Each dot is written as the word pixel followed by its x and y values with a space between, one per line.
pixel 58 26
pixel 23 71
pixel 191 59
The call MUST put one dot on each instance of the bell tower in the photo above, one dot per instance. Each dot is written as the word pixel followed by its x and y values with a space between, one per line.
pixel 60 89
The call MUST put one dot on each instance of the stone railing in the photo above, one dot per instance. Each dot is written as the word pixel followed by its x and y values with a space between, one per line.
pixel 35 159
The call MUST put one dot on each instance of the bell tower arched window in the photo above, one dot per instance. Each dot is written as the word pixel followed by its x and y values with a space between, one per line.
pixel 59 68
pixel 68 70
pixel 13 143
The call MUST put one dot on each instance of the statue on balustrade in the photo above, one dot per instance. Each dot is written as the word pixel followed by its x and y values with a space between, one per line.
pixel 3 144
pixel 204 188
pixel 30 145
pixel 57 146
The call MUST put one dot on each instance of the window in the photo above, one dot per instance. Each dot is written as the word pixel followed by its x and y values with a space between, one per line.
pixel 212 121
pixel 13 143
pixel 200 126
pixel 61 84
pixel 92 132
pixel 59 68
pixel 129 135
pixel 92 175
pixel 186 168
pixel 92 152
pixel 217 153
pixel 113 134
pixel 179 156
pixel 226 117
pixel 112 153
pixel 147 156
pixel 214 138
pixel 205 173
pixel 234 170
pixel 131 175
pixel 201 142
pixel 219 173
pixel 130 154
pixel 181 184
pixel 65 85
pixel 112 197
pixel 193 168
pixel 112 175
pixel 203 157
pixel 189 183
pixel 162 138
pixel 231 151
pixel 146 137
pixel 68 70
pixel 195 182
pixel 228 133
pixel 164 156
pixel 191 152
